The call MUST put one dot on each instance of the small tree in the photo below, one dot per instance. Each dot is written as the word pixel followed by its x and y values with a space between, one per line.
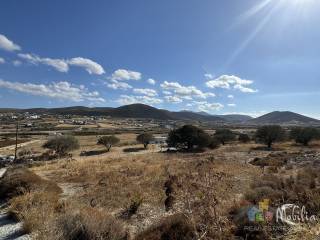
pixel 270 134
pixel 108 141
pixel 62 144
pixel 244 138
pixel 224 135
pixel 188 137
pixel 304 135
pixel 145 139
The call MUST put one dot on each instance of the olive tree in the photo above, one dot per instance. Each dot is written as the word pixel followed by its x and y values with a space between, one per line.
pixel 224 135
pixel 304 135
pixel 269 134
pixel 62 144
pixel 108 141
pixel 145 139
pixel 188 137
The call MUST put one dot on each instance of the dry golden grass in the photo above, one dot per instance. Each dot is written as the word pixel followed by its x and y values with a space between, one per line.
pixel 104 186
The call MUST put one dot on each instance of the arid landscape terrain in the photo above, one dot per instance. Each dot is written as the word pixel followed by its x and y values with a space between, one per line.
pixel 159 120
pixel 153 189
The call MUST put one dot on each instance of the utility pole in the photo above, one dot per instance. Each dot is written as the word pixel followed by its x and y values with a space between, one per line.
pixel 16 148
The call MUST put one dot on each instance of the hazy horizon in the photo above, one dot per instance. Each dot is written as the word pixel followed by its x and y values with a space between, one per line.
pixel 250 57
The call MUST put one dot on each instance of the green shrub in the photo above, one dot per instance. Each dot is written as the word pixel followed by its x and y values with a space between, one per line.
pixel 224 135
pixel 304 135
pixel 108 141
pixel 270 134
pixel 188 137
pixel 145 139
pixel 62 144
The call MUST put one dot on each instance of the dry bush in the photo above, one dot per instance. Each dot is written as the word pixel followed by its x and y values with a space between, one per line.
pixel 203 208
pixel 17 181
pixel 34 209
pixel 85 224
pixel 175 227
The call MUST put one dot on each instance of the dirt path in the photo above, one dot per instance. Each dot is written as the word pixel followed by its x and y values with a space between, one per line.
pixel 10 229
pixel 12 147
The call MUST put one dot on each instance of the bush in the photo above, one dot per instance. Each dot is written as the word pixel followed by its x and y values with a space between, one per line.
pixel 62 144
pixel 270 134
pixel 86 224
pixel 108 141
pixel 188 137
pixel 20 180
pixel 145 139
pixel 304 135
pixel 176 227
pixel 214 143
pixel 224 135
pixel 244 138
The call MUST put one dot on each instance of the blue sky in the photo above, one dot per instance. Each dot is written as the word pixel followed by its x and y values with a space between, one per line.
pixel 230 56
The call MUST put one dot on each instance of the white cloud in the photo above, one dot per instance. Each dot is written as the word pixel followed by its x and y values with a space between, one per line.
pixel 62 65
pixel 208 76
pixel 59 90
pixel 226 81
pixel 7 44
pixel 206 106
pixel 252 114
pixel 16 63
pixel 244 89
pixel 118 85
pixel 232 105
pixel 2 60
pixel 230 96
pixel 173 99
pixel 166 92
pixel 146 91
pixel 209 107
pixel 126 99
pixel 151 81
pixel 185 91
pixel 90 66
pixel 123 74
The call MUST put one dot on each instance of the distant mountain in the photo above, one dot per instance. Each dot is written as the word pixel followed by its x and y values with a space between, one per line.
pixel 234 118
pixel 284 118
pixel 145 111
pixel 126 111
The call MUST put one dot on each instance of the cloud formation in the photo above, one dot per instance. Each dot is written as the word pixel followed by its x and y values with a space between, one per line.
pixel 151 81
pixel 59 90
pixel 185 91
pixel 16 63
pixel 124 75
pixel 2 60
pixel 227 82
pixel 146 91
pixel 115 85
pixel 126 99
pixel 173 99
pixel 90 66
pixel 206 106
pixel 62 65
pixel 7 44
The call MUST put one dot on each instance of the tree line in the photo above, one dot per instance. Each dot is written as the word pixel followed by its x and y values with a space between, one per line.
pixel 189 137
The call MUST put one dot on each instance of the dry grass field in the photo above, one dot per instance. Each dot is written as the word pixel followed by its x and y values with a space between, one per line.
pixel 146 194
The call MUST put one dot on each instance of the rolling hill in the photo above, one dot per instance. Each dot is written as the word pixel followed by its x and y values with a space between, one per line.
pixel 145 111
pixel 284 117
